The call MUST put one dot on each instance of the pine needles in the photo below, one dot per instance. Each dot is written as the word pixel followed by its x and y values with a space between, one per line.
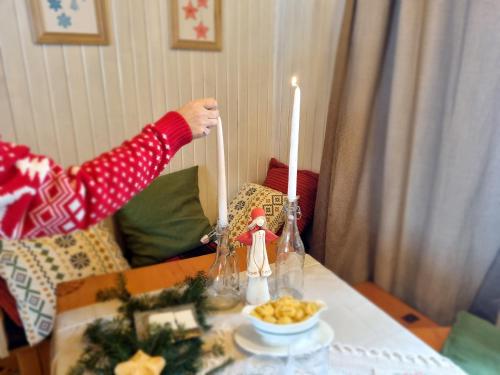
pixel 108 343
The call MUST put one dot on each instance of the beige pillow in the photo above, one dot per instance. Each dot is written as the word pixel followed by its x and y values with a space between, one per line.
pixel 251 196
pixel 33 268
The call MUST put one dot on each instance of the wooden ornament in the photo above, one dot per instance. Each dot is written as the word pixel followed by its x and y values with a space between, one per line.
pixel 141 364
pixel 258 268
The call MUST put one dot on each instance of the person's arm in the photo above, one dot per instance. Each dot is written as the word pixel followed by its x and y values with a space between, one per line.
pixel 40 198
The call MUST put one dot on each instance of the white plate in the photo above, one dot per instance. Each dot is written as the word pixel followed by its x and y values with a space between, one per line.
pixel 250 341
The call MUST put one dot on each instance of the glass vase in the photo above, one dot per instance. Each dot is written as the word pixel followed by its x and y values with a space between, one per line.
pixel 289 278
pixel 223 290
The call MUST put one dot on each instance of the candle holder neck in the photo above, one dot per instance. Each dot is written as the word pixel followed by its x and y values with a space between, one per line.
pixel 290 255
pixel 292 213
pixel 222 234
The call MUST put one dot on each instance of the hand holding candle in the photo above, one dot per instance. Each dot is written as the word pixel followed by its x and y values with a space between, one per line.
pixel 221 176
pixel 294 144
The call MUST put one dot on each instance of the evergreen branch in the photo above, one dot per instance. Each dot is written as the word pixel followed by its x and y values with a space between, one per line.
pixel 110 342
pixel 219 368
pixel 120 291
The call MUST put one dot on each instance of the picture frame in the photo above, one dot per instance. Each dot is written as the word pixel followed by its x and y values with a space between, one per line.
pixel 196 24
pixel 178 317
pixel 69 21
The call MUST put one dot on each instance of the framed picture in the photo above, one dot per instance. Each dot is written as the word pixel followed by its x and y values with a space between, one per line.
pixel 178 317
pixel 196 24
pixel 69 21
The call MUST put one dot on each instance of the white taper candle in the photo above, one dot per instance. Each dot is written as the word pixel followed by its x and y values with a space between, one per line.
pixel 294 144
pixel 221 176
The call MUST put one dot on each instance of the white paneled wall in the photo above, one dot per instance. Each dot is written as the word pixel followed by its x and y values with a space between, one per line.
pixel 305 45
pixel 73 102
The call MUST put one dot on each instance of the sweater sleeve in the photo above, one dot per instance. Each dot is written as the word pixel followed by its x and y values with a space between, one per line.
pixel 40 198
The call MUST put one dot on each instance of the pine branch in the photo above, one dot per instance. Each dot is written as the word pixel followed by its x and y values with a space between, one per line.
pixel 118 292
pixel 111 342
pixel 219 368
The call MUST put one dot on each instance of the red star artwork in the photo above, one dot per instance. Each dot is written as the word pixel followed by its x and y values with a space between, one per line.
pixel 202 4
pixel 190 11
pixel 201 31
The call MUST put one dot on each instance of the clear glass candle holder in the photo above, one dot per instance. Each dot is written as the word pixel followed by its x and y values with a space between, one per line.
pixel 289 278
pixel 223 290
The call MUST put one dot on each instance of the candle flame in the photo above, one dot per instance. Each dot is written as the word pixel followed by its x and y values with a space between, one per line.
pixel 294 81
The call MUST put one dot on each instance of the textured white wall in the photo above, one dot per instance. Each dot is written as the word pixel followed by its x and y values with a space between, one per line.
pixel 306 36
pixel 73 102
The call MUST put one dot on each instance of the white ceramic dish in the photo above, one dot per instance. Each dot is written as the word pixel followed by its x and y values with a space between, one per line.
pixel 247 338
pixel 282 334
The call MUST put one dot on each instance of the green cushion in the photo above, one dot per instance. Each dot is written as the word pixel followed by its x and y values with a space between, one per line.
pixel 164 220
pixel 474 345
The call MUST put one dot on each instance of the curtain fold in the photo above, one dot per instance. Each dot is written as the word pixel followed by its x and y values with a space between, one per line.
pixel 409 190
pixel 486 304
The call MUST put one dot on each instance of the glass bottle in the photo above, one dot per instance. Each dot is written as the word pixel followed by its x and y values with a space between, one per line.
pixel 290 256
pixel 223 290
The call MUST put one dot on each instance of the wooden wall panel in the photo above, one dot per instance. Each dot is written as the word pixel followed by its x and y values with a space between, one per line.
pixel 74 102
pixel 16 76
pixel 8 129
pixel 306 39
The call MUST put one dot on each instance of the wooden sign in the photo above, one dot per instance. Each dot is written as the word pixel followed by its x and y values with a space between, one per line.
pixel 69 21
pixel 196 24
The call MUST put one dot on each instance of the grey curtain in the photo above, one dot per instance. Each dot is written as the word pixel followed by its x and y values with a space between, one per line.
pixel 409 191
pixel 487 302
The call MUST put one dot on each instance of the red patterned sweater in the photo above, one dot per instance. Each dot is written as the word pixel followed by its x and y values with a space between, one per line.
pixel 40 198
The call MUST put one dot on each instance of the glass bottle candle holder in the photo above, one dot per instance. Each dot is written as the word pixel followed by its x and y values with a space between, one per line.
pixel 289 278
pixel 223 290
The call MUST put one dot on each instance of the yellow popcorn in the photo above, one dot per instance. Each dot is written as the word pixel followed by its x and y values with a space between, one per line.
pixel 285 310
pixel 265 310
pixel 299 315
pixel 311 308
pixel 285 320
pixel 269 319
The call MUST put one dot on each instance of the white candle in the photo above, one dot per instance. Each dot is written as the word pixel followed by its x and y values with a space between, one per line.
pixel 221 177
pixel 294 144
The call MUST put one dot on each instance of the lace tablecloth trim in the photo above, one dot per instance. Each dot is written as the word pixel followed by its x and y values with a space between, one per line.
pixel 338 359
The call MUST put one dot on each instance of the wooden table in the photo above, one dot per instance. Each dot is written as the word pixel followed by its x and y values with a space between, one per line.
pixel 354 319
pixel 80 293
pixel 74 294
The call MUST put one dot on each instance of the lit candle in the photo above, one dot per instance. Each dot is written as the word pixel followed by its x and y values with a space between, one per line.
pixel 294 144
pixel 221 177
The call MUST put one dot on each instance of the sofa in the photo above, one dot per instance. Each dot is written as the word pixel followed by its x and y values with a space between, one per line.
pixel 163 223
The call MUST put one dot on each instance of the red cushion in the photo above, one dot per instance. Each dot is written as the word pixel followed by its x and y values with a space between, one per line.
pixel 8 303
pixel 307 183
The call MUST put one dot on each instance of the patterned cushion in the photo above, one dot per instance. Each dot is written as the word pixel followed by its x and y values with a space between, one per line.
pixel 307 183
pixel 33 268
pixel 249 197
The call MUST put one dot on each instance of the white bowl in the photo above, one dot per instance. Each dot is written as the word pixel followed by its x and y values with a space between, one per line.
pixel 283 334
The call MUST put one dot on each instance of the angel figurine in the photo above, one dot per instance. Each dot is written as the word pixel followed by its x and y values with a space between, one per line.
pixel 258 269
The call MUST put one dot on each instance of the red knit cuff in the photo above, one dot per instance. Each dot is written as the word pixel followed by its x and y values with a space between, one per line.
pixel 177 130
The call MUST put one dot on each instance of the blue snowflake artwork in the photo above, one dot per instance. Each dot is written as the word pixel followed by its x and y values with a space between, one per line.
pixel 74 5
pixel 55 5
pixel 64 20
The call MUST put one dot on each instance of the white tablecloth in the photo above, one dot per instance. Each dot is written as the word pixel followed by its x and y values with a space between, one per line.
pixel 355 320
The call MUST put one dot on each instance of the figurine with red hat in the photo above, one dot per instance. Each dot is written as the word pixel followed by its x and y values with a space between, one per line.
pixel 258 269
